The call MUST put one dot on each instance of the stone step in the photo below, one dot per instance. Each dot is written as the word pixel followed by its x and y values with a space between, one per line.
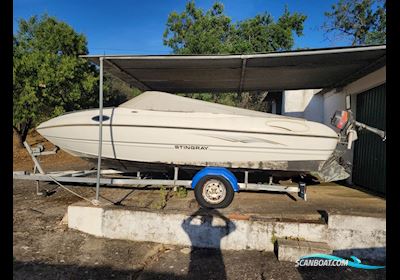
pixel 359 223
pixel 291 250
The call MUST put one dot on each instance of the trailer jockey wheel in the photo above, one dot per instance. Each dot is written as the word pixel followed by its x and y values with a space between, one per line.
pixel 214 192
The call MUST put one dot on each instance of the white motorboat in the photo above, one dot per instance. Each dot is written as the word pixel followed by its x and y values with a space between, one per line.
pixel 161 128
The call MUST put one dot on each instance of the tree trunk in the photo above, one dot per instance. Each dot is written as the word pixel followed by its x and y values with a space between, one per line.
pixel 20 139
pixel 22 133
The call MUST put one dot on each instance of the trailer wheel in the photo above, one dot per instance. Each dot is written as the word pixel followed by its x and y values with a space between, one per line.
pixel 214 192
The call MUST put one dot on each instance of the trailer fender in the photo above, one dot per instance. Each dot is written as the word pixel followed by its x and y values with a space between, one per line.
pixel 216 171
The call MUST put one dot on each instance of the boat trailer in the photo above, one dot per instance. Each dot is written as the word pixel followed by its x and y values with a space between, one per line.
pixel 114 178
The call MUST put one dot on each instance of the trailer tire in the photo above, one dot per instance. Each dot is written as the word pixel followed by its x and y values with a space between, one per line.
pixel 214 192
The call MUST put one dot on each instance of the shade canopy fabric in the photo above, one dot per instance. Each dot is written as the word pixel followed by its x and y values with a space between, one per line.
pixel 304 69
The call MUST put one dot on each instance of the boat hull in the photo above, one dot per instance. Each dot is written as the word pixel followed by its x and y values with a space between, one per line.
pixel 194 139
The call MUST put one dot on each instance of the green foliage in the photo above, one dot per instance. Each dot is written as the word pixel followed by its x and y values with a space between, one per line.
pixel 49 78
pixel 181 192
pixel 363 21
pixel 197 32
pixel 162 202
pixel 262 34
pixel 116 91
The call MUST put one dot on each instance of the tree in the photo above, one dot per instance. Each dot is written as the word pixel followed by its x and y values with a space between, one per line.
pixel 196 32
pixel 116 91
pixel 212 32
pixel 361 21
pixel 49 77
pixel 262 34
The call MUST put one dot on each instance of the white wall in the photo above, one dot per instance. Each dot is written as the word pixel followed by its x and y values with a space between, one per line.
pixel 303 104
pixel 333 100
pixel 316 107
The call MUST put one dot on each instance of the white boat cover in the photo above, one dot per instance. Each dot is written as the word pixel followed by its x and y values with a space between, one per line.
pixel 162 101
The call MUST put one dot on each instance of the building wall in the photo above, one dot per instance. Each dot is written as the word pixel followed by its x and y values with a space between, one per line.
pixel 308 105
pixel 335 100
pixel 303 104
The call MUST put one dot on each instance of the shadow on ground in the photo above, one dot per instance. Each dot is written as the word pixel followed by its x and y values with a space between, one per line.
pixel 325 273
pixel 37 270
pixel 206 228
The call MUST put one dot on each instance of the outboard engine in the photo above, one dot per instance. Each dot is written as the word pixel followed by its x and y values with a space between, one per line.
pixel 336 167
pixel 348 126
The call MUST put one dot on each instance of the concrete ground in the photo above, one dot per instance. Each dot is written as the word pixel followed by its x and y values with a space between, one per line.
pixel 332 198
pixel 44 248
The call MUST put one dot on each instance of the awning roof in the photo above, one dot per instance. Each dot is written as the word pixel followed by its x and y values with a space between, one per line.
pixel 305 69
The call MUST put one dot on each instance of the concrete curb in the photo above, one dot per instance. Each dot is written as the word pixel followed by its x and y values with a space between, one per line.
pixel 365 235
pixel 350 222
pixel 292 250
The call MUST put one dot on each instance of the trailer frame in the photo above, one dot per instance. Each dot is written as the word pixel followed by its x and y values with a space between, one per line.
pixel 117 178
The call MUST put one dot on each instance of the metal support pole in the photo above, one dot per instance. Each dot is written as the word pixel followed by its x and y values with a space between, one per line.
pixel 246 178
pixel 38 192
pixel 100 130
pixel 176 170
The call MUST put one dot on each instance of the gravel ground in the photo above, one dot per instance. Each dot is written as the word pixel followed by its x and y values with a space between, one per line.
pixel 44 248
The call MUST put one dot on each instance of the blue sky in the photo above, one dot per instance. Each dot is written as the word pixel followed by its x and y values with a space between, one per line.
pixel 136 27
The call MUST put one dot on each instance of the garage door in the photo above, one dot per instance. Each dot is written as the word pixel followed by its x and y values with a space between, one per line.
pixel 369 164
